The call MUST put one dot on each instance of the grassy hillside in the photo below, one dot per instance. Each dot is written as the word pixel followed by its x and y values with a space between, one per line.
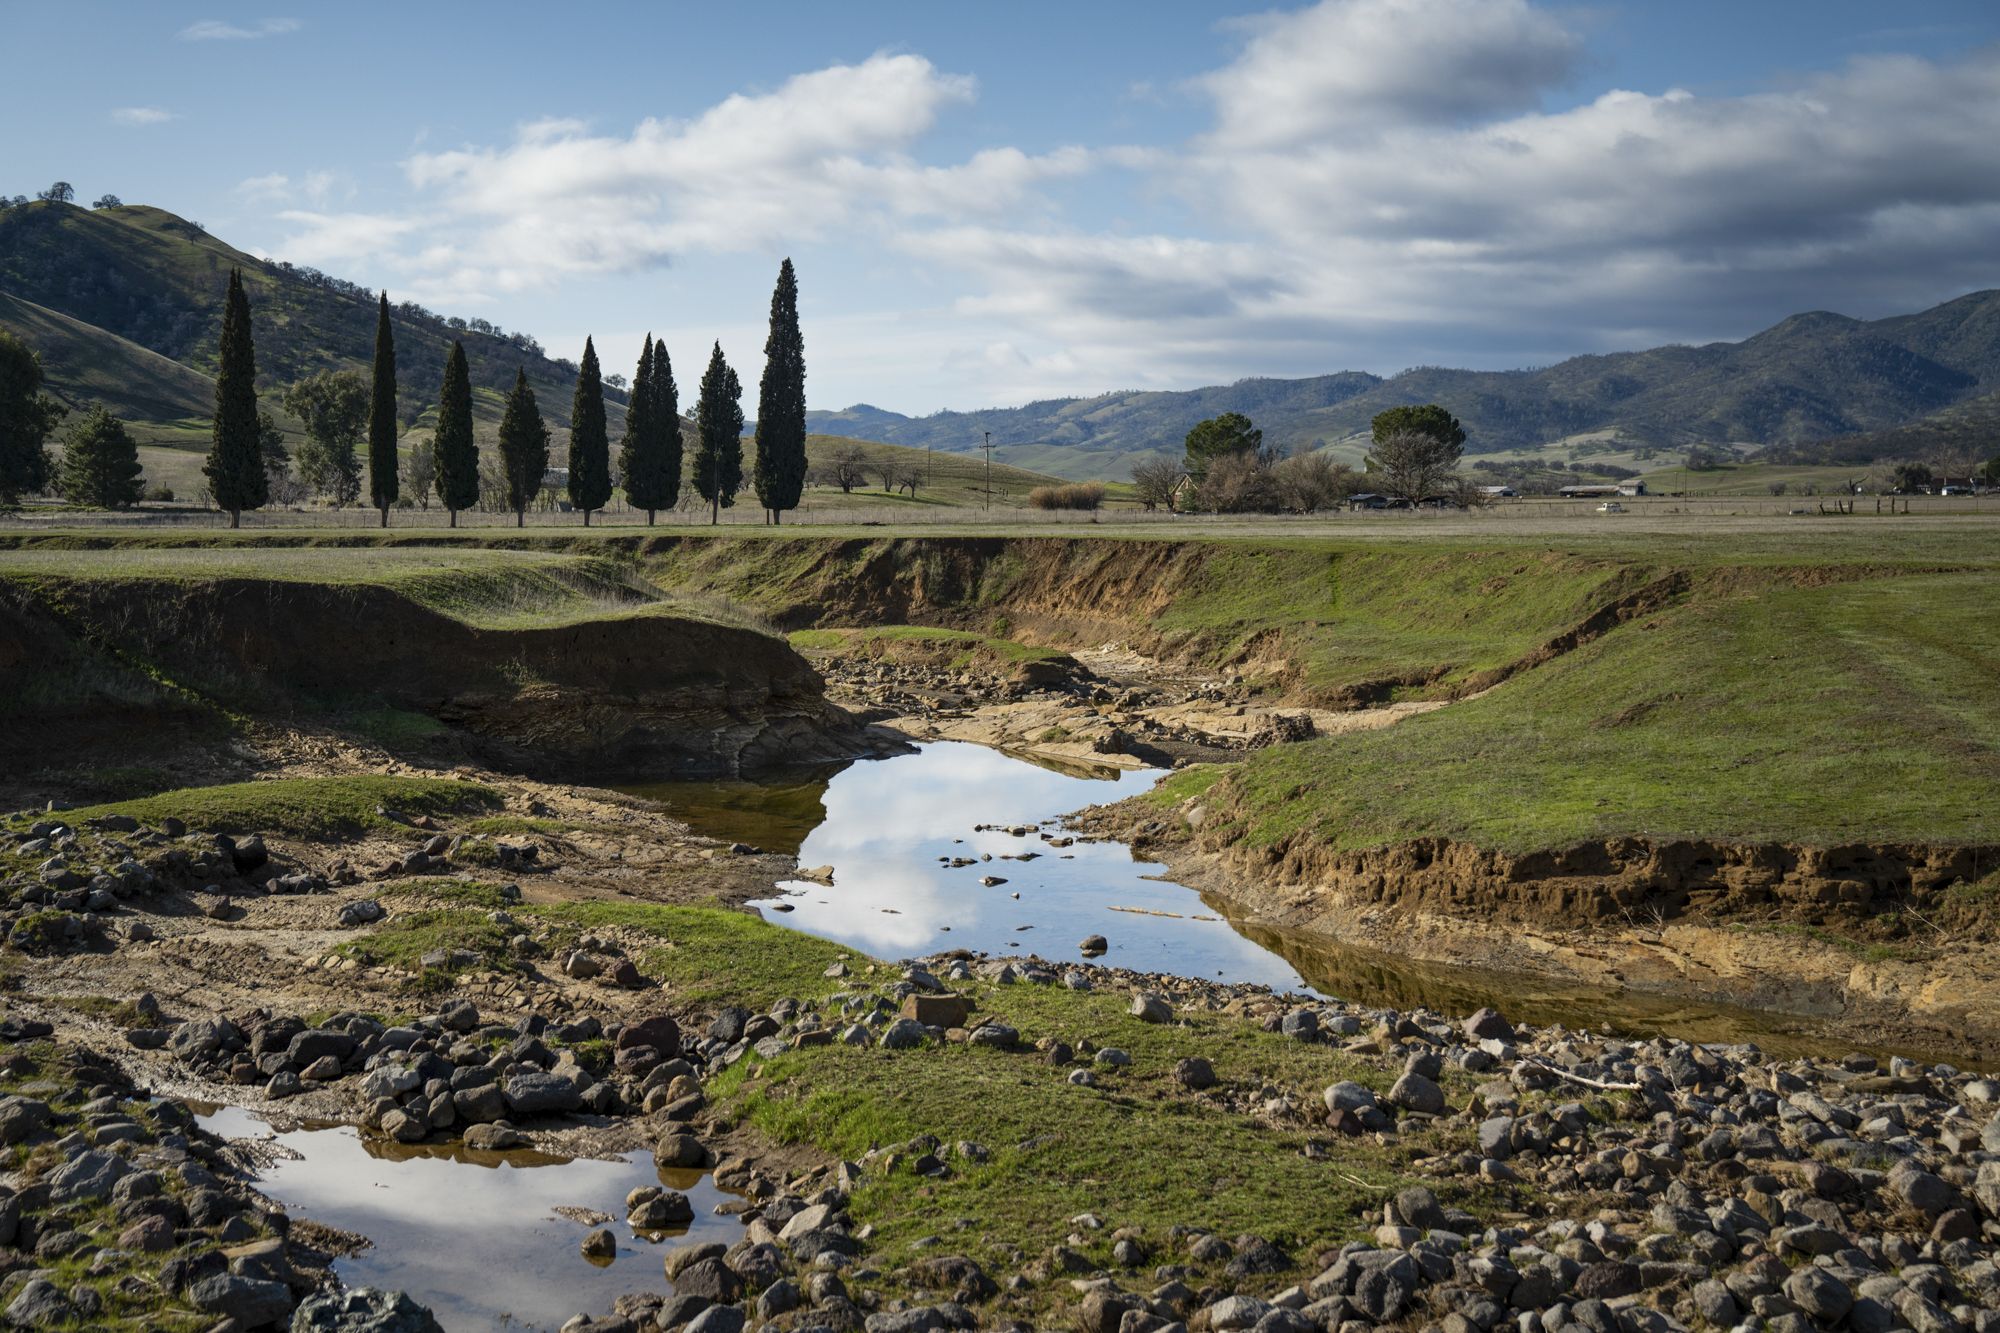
pixel 165 401
pixel 1748 710
pixel 1810 376
pixel 157 280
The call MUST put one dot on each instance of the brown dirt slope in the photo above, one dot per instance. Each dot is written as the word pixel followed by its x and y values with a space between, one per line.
pixel 658 694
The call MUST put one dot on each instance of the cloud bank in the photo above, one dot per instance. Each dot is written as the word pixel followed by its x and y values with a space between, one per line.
pixel 1380 184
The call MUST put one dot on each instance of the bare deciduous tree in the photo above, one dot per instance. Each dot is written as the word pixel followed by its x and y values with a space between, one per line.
pixel 1415 466
pixel 1154 480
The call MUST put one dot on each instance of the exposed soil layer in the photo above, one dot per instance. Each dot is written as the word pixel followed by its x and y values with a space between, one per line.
pixel 644 694
pixel 1873 943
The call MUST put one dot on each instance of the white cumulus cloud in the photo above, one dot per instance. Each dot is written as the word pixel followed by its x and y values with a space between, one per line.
pixel 828 150
pixel 1382 183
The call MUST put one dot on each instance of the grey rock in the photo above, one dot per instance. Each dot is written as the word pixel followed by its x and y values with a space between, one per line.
pixel 542 1094
pixel 717 1319
pixel 20 1117
pixel 920 1320
pixel 363 1310
pixel 251 1302
pixel 1233 1312
pixel 1420 1208
pixel 903 1034
pixel 1920 1189
pixel 1346 1096
pixel 1194 1072
pixel 1496 1137
pixel 88 1175
pixel 39 1303
pixel 1300 1025
pixel 1383 1293
pixel 1150 1009
pixel 1414 1092
pixel 202 1038
pixel 479 1106
pixel 1819 1294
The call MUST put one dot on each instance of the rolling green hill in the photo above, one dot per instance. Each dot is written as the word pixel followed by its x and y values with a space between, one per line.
pixel 152 282
pixel 166 401
pixel 1812 376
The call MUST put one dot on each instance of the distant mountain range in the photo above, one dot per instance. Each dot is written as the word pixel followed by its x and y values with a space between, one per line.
pixel 125 306
pixel 1812 376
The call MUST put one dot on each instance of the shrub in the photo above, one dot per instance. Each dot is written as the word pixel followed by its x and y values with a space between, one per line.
pixel 1070 495
pixel 162 493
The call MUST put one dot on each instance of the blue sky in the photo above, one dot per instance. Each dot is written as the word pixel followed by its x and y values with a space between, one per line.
pixel 993 204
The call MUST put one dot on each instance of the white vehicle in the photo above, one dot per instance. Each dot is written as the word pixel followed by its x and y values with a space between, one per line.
pixel 1611 508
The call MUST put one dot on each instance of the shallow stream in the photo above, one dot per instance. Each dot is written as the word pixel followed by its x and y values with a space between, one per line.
pixel 476 1236
pixel 889 828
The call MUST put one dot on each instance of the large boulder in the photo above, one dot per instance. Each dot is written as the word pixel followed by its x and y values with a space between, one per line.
pixel 542 1094
pixel 20 1117
pixel 659 1032
pixel 363 1310
pixel 88 1175
pixel 249 1301
pixel 203 1038
pixel 1414 1092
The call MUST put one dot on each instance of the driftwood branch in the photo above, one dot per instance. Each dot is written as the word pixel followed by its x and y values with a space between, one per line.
pixel 1578 1078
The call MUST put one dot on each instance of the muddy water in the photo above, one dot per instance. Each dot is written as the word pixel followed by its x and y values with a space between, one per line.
pixel 474 1235
pixel 883 825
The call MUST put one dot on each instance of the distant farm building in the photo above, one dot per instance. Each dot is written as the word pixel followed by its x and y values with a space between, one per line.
pixel 1605 490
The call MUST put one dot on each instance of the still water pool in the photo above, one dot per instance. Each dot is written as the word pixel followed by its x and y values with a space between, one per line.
pixel 475 1236
pixel 890 827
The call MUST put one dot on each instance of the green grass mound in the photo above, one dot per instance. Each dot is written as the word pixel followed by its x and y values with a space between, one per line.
pixel 295 807
pixel 713 954
pixel 1818 715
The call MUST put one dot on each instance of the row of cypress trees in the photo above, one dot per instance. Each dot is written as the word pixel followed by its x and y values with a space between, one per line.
pixel 650 455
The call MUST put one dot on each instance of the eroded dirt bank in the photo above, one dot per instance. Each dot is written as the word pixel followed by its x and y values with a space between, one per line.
pixel 655 694
pixel 1872 943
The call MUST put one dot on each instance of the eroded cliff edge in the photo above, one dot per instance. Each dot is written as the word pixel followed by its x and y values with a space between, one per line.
pixel 94 661
pixel 1876 943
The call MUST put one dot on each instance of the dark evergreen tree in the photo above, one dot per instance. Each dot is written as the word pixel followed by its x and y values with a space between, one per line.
pixel 589 445
pixel 100 465
pixel 27 415
pixel 383 486
pixel 457 455
pixel 235 467
pixel 781 404
pixel 524 447
pixel 718 459
pixel 666 418
pixel 638 457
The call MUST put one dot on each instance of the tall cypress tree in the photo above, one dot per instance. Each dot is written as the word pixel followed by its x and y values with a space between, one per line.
pixel 235 467
pixel 524 447
pixel 383 487
pixel 781 404
pixel 639 455
pixel 457 454
pixel 666 419
pixel 718 460
pixel 589 445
